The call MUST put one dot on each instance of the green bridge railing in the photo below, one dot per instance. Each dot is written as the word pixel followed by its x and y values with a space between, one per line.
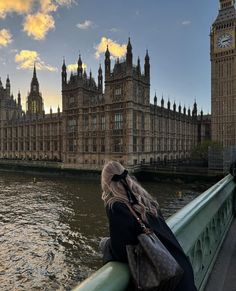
pixel 200 227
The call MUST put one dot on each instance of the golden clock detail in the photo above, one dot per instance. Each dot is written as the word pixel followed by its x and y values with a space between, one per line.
pixel 224 41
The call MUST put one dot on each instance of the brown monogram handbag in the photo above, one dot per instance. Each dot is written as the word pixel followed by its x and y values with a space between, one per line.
pixel 151 264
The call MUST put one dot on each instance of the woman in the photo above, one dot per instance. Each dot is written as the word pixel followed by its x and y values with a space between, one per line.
pixel 119 189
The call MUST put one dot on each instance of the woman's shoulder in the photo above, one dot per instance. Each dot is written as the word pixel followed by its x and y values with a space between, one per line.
pixel 117 207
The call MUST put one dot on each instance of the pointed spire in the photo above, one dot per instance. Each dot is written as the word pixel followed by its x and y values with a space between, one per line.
pixel 147 56
pixel 180 108
pixel 138 66
pixel 64 65
pixel 155 99
pixel 80 67
pixel 64 73
pixel 168 103
pixel 100 69
pixel 147 66
pixel 100 79
pixel 107 63
pixel 8 80
pixel 194 111
pixel 174 106
pixel 129 55
pixel 162 101
pixel 34 82
pixel 34 74
pixel 107 53
pixel 129 46
pixel 79 61
pixel 8 86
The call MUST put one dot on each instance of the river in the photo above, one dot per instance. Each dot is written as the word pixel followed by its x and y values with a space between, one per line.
pixel 50 227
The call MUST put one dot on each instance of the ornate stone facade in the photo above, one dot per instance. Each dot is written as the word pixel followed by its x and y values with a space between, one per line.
pixel 223 75
pixel 96 124
pixel 33 135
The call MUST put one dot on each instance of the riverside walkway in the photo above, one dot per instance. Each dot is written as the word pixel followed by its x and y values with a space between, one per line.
pixel 223 274
pixel 206 229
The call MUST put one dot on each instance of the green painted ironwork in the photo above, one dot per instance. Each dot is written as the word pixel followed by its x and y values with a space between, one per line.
pixel 113 276
pixel 200 227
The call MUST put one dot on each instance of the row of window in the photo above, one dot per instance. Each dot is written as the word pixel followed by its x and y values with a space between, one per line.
pixel 117 145
pixel 117 122
pixel 31 131
pixel 139 145
pixel 33 146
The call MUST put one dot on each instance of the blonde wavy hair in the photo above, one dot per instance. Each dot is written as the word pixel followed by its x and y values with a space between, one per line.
pixel 114 191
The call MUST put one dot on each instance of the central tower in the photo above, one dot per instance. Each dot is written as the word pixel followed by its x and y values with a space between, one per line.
pixel 34 100
pixel 223 75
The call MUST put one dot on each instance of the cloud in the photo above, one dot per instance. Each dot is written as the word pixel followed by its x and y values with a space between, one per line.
pixel 186 22
pixel 27 58
pixel 18 6
pixel 5 37
pixel 37 25
pixel 73 67
pixel 38 19
pixel 116 50
pixel 66 2
pixel 48 6
pixel 86 24
pixel 114 29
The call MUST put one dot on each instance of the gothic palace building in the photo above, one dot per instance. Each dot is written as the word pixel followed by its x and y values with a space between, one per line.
pixel 98 124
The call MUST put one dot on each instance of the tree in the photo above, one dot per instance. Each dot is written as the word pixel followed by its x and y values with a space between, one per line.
pixel 200 152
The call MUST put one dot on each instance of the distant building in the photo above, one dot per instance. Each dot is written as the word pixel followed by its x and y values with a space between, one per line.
pixel 31 135
pixel 98 124
pixel 223 75
pixel 204 127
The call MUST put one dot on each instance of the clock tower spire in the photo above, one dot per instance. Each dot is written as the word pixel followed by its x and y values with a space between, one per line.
pixel 223 75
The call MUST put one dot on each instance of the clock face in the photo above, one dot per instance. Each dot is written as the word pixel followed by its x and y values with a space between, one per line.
pixel 225 40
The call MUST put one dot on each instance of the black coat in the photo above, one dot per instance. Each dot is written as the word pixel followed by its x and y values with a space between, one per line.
pixel 124 230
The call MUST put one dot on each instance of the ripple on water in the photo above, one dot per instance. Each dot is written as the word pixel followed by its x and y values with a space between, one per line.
pixel 50 230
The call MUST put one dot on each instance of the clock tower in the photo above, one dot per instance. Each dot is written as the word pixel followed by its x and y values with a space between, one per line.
pixel 223 75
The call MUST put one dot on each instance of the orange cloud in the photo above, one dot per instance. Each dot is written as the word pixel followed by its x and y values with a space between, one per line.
pixel 27 58
pixel 116 50
pixel 48 6
pixel 5 37
pixel 18 6
pixel 73 67
pixel 37 25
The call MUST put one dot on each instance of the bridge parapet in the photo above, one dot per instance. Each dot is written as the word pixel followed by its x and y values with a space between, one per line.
pixel 200 227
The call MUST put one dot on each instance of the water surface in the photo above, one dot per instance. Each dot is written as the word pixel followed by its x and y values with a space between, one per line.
pixel 50 229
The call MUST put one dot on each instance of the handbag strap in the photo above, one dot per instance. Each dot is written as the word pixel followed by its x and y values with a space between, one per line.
pixel 139 220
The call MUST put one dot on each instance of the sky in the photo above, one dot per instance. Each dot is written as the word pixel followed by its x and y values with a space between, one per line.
pixel 175 32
